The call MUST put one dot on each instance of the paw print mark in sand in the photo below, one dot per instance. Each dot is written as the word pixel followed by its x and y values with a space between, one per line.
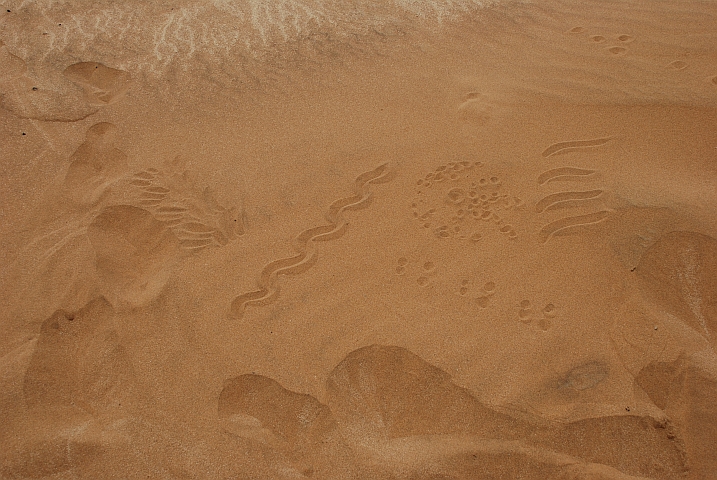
pixel 424 271
pixel 401 267
pixel 526 312
pixel 488 290
pixel 677 65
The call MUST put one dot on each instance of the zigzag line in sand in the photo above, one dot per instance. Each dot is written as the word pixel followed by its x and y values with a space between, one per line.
pixel 268 289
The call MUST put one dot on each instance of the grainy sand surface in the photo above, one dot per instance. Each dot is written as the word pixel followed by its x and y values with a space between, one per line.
pixel 373 239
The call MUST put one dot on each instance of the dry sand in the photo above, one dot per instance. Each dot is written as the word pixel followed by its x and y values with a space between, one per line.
pixel 389 239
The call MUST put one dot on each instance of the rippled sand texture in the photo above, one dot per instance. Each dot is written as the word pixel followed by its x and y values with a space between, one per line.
pixel 420 240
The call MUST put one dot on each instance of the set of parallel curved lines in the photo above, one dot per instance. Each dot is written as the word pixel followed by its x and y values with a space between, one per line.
pixel 571 198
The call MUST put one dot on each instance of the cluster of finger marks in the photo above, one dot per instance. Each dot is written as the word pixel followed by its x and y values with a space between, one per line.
pixel 459 201
pixel 570 199
pixel 193 215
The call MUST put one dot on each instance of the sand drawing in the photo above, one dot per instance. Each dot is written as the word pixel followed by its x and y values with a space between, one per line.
pixel 458 201
pixel 617 50
pixel 210 267
pixel 304 243
pixel 425 272
pixel 132 227
pixel 571 198
pixel 574 146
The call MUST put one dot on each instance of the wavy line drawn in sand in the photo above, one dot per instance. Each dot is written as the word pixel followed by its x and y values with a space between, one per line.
pixel 563 199
pixel 459 201
pixel 574 146
pixel 564 173
pixel 565 224
pixel 305 243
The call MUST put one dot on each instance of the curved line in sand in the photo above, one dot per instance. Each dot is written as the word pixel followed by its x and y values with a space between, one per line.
pixel 556 173
pixel 571 222
pixel 304 244
pixel 566 147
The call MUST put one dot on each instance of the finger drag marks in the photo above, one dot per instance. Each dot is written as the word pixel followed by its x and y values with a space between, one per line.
pixel 571 222
pixel 572 146
pixel 564 173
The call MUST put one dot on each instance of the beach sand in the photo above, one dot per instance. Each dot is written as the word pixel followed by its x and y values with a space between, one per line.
pixel 389 239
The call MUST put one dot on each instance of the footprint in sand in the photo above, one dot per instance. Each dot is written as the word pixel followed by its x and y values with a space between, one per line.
pixel 134 253
pixel 78 373
pixel 385 398
pixel 94 166
pixel 47 94
pixel 679 273
pixel 258 411
pixel 476 109
pixel 78 362
pixel 151 219
pixel 103 85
